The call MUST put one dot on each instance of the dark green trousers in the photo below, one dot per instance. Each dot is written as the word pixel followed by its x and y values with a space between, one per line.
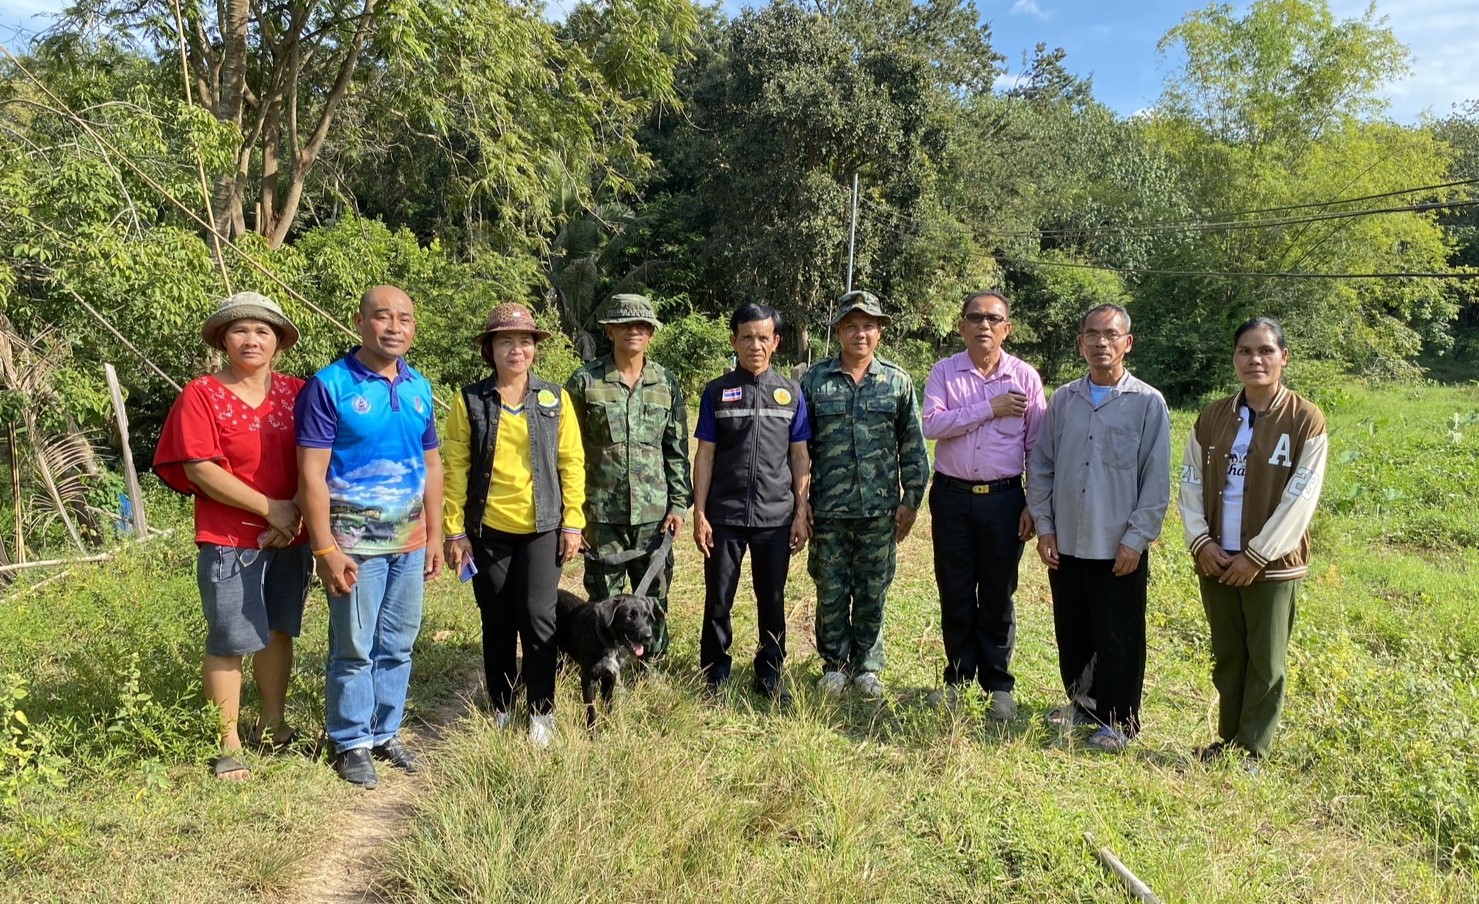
pixel 852 561
pixel 1250 645
pixel 602 582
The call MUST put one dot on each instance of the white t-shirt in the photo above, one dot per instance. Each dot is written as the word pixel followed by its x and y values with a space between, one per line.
pixel 1232 491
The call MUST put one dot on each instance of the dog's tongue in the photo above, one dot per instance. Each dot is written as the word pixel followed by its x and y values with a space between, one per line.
pixel 638 649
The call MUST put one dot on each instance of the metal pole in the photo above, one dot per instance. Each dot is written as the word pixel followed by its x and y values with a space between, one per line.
pixel 852 236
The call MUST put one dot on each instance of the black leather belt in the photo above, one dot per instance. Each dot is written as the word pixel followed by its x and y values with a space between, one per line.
pixel 979 487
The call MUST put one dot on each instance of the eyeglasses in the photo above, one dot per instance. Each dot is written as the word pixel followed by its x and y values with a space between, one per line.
pixel 978 317
pixel 1093 336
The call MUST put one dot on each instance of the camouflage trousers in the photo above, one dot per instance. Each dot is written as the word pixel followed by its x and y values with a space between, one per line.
pixel 605 581
pixel 852 561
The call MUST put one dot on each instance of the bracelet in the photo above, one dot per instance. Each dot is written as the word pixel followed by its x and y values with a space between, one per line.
pixel 462 536
pixel 572 530
pixel 320 553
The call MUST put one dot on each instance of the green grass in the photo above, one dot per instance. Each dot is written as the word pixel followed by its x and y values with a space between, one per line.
pixel 1372 793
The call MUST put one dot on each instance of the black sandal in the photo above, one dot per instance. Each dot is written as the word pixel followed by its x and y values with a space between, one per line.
pixel 279 742
pixel 226 766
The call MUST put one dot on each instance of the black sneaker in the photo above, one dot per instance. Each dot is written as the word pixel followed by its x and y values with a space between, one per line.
pixel 714 691
pixel 356 767
pixel 398 755
pixel 774 690
pixel 1211 752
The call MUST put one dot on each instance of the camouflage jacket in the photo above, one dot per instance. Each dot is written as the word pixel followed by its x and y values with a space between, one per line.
pixel 867 446
pixel 636 443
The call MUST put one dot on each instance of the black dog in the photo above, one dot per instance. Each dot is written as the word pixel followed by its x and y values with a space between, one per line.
pixel 599 636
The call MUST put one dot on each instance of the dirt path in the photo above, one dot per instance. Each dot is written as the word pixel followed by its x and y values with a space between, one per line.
pixel 348 870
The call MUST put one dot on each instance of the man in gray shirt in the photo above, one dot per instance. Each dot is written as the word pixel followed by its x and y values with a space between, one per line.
pixel 1098 485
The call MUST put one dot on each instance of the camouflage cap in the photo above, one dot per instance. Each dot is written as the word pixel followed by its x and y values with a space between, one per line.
pixel 858 300
pixel 630 309
pixel 511 317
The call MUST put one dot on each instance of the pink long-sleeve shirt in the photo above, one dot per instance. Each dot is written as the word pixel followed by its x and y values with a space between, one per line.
pixel 972 444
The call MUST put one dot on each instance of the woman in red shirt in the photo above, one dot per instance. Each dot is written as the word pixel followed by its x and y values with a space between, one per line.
pixel 229 442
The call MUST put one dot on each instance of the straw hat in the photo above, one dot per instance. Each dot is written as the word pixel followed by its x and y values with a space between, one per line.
pixel 249 306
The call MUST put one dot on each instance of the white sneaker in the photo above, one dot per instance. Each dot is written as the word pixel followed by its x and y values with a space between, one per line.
pixel 832 683
pixel 1003 706
pixel 501 718
pixel 542 730
pixel 869 685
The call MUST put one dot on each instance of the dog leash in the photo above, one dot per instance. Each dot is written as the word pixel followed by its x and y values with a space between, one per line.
pixel 659 558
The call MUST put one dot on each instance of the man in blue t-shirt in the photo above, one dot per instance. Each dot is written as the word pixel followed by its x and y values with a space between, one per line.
pixel 370 478
pixel 751 478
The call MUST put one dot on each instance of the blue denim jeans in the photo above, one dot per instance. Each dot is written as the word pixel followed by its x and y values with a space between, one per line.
pixel 371 631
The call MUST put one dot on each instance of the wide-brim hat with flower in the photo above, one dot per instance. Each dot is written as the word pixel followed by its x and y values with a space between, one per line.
pixel 512 317
pixel 248 306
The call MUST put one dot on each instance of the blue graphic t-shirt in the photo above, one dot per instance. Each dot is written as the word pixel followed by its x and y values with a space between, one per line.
pixel 379 431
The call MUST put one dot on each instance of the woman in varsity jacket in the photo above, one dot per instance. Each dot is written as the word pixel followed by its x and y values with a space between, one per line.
pixel 1250 479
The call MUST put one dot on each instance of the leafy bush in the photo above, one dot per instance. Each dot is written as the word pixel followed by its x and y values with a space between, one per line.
pixel 26 757
pixel 695 348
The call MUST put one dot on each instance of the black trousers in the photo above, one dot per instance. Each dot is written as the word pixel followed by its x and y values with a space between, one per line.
pixel 1099 620
pixel 517 580
pixel 977 552
pixel 770 557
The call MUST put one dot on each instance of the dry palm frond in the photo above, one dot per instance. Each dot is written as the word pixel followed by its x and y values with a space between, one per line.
pixel 64 463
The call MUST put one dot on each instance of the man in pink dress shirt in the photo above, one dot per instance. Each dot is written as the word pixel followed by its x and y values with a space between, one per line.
pixel 983 407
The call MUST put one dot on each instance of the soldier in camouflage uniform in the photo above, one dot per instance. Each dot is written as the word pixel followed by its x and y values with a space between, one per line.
pixel 635 429
pixel 869 472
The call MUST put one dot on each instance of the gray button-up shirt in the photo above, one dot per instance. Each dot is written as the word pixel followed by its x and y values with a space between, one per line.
pixel 1099 477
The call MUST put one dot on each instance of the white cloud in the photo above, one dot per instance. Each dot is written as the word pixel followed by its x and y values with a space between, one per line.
pixel 1005 82
pixel 1443 36
pixel 382 467
pixel 1029 8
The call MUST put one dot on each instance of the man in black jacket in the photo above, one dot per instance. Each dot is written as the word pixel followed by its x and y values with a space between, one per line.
pixel 751 477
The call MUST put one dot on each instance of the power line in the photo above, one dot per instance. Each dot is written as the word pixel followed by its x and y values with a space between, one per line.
pixel 1231 274
pixel 1236 274
pixel 1213 218
pixel 1239 225
pixel 1193 226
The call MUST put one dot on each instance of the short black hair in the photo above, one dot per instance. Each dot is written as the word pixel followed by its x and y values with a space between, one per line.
pixel 749 312
pixel 1083 322
pixel 988 293
pixel 1256 322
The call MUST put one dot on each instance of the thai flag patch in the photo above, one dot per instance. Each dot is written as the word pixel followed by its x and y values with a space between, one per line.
pixel 731 395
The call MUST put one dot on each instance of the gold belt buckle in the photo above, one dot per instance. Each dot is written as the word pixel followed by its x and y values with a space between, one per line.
pixel 981 489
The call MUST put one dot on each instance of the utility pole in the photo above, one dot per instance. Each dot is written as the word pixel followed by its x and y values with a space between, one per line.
pixel 852 236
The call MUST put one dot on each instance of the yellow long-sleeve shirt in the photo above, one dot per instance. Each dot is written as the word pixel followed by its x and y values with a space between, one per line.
pixel 510 504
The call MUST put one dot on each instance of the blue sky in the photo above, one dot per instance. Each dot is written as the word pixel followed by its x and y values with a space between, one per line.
pixel 1114 41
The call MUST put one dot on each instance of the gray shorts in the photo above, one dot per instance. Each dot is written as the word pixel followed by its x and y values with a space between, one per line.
pixel 244 593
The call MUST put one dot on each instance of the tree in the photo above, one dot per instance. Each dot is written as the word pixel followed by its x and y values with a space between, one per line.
pixel 789 105
pixel 1273 113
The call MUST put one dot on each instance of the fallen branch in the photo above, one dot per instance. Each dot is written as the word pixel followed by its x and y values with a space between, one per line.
pixel 1137 889
pixel 51 563
pixel 82 560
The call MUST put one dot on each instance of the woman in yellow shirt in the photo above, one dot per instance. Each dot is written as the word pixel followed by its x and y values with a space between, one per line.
pixel 515 487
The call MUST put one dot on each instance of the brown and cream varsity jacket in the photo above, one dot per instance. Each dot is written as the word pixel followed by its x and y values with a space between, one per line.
pixel 1285 471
